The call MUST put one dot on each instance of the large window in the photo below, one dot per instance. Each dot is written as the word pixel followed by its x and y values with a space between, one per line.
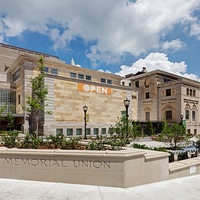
pixel 69 132
pixel 168 92
pixel 147 95
pixel 88 131
pixel 193 115
pixel 8 100
pixel 109 81
pixel 147 116
pixel 103 131
pixel 79 131
pixel 80 76
pixel 103 80
pixel 54 71
pixel 88 78
pixel 168 115
pixel 187 114
pixel 59 131
pixel 16 75
pixel 137 84
pixel 72 75
pixel 96 131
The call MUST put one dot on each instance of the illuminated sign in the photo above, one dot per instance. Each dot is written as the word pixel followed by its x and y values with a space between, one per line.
pixel 94 89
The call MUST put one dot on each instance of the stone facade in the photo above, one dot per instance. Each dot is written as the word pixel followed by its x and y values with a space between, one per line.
pixel 164 95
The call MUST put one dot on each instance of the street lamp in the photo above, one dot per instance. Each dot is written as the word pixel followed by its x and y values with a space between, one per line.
pixel 181 116
pixel 126 104
pixel 85 108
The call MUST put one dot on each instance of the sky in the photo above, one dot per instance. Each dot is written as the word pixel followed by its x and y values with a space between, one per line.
pixel 115 36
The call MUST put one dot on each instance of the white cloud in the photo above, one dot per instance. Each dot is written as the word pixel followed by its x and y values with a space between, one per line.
pixel 106 71
pixel 174 45
pixel 156 61
pixel 115 26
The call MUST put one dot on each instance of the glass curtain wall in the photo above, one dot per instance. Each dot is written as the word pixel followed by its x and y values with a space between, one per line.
pixel 8 100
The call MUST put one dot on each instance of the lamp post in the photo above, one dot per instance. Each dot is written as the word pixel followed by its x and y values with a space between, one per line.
pixel 181 116
pixel 126 104
pixel 85 108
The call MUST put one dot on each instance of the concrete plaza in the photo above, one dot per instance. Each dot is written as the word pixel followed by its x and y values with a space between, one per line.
pixel 183 188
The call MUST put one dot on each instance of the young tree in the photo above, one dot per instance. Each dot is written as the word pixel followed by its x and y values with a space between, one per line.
pixel 10 120
pixel 174 134
pixel 2 111
pixel 125 130
pixel 35 104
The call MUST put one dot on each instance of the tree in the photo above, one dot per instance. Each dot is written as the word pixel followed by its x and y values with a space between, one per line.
pixel 10 120
pixel 2 111
pixel 174 134
pixel 120 129
pixel 35 104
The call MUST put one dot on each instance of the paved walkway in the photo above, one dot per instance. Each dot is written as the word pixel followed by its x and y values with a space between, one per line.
pixel 187 188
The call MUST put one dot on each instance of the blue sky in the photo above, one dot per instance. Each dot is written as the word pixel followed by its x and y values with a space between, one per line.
pixel 116 36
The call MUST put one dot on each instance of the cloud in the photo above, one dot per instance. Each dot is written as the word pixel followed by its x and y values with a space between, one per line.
pixel 173 45
pixel 155 61
pixel 106 71
pixel 115 27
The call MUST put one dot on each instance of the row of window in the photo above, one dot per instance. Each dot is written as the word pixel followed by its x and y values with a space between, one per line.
pixel 51 70
pixel 191 92
pixel 167 93
pixel 79 131
pixel 187 115
pixel 168 115
pixel 88 77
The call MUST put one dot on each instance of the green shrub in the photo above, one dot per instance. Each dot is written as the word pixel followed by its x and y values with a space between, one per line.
pixel 10 138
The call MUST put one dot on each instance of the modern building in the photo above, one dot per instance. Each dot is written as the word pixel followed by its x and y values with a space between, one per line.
pixel 162 95
pixel 153 96
pixel 69 89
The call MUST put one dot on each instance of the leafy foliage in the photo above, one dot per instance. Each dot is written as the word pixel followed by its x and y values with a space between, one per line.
pixel 173 134
pixel 124 130
pixel 35 104
pixel 10 138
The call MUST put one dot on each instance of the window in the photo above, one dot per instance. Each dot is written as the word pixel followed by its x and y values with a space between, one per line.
pixel 8 100
pixel 188 131
pixel 109 81
pixel 195 131
pixel 168 114
pixel 16 75
pixel 193 115
pixel 54 71
pixel 147 95
pixel 80 76
pixel 46 69
pixel 166 80
pixel 187 114
pixel 72 75
pixel 103 131
pixel 123 83
pixel 69 132
pixel 89 78
pixel 147 116
pixel 129 84
pixel 168 92
pixel 88 131
pixel 96 131
pixel 194 93
pixel 59 131
pixel 19 99
pixel 103 80
pixel 188 91
pixel 137 84
pixel 79 131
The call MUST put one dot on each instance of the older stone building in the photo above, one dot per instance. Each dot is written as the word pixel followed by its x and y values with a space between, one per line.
pixel 164 95
pixel 153 95
pixel 70 88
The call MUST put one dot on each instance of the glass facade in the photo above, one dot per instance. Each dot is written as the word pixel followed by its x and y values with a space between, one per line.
pixel 8 100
